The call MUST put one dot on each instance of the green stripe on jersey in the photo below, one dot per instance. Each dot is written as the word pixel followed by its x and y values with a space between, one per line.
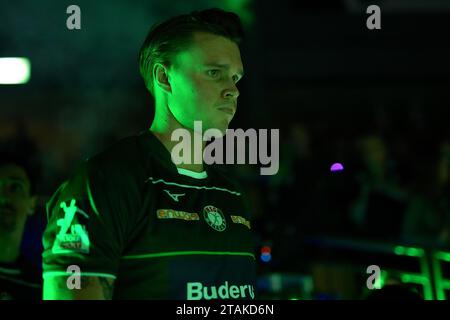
pixel 183 253
pixel 191 187
pixel 48 274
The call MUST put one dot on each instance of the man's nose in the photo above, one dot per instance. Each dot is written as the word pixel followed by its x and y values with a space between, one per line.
pixel 232 91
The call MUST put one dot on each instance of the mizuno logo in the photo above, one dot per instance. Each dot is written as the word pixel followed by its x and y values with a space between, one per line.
pixel 174 196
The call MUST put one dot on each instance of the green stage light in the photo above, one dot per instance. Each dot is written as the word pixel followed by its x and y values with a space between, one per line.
pixel 412 252
pixel 399 250
pixel 443 256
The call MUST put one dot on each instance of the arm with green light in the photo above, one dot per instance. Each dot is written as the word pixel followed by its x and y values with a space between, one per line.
pixel 82 236
pixel 91 288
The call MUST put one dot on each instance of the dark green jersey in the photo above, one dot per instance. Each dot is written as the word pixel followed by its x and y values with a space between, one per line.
pixel 159 231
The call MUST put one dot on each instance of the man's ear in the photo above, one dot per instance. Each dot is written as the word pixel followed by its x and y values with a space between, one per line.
pixel 33 201
pixel 161 77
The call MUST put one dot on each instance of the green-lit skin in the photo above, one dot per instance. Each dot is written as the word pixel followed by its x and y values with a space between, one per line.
pixel 200 79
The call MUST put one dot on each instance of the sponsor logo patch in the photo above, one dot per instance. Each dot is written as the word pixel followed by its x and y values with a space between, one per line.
pixel 241 220
pixel 198 291
pixel 214 218
pixel 175 214
pixel 72 237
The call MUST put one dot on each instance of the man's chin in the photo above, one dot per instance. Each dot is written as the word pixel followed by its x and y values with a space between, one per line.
pixel 217 129
pixel 206 130
pixel 217 132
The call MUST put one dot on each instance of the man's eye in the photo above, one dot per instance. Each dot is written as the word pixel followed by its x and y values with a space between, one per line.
pixel 214 73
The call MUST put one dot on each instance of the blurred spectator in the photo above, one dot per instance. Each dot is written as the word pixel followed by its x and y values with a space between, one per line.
pixel 427 220
pixel 289 196
pixel 18 277
pixel 290 190
pixel 378 209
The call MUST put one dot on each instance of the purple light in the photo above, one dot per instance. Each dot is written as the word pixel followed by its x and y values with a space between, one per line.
pixel 337 167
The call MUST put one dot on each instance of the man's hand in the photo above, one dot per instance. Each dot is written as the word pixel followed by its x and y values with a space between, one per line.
pixel 92 288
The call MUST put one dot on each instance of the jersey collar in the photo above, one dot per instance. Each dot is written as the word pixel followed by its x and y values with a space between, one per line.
pixel 192 174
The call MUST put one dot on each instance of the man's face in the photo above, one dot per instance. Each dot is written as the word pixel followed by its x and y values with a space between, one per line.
pixel 16 204
pixel 203 82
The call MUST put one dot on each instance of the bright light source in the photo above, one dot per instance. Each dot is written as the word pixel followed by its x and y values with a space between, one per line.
pixel 14 70
pixel 336 167
pixel 399 250
pixel 413 252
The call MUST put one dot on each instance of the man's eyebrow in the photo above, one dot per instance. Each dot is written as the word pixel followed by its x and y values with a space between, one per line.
pixel 224 66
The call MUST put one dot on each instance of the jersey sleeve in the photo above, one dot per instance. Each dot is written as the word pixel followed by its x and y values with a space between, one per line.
pixel 84 228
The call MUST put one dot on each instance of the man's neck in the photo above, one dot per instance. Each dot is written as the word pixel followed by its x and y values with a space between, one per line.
pixel 163 131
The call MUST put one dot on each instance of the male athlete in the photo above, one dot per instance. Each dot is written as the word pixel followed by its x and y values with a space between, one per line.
pixel 134 224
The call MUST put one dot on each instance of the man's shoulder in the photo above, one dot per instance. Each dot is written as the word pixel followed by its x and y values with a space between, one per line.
pixel 119 162
pixel 120 153
pixel 109 173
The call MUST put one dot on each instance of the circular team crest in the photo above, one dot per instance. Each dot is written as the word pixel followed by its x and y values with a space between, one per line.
pixel 215 218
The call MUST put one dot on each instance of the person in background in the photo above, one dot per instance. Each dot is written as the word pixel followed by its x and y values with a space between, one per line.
pixel 18 171
pixel 378 209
